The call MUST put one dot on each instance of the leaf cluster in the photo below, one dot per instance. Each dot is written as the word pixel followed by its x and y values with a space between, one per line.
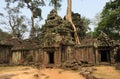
pixel 55 3
pixel 110 20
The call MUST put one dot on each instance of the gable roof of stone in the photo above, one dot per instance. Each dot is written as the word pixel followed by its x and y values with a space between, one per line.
pixel 103 40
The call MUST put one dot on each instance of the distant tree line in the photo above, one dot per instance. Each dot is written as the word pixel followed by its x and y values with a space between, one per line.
pixel 19 24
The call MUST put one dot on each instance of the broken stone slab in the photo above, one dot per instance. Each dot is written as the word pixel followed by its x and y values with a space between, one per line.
pixel 97 77
pixel 90 77
pixel 85 74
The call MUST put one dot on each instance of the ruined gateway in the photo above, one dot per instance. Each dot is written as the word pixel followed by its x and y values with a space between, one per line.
pixel 57 46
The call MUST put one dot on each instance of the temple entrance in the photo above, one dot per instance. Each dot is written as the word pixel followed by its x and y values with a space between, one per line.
pixel 104 56
pixel 51 57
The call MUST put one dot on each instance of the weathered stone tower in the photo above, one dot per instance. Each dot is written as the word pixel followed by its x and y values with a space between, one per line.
pixel 57 40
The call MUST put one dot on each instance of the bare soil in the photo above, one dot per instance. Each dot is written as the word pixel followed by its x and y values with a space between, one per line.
pixel 31 73
pixel 20 72
pixel 107 72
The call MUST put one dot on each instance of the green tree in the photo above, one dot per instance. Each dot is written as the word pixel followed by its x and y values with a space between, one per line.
pixel 85 27
pixel 56 4
pixel 15 22
pixel 4 35
pixel 34 6
pixel 97 19
pixel 81 24
pixel 110 20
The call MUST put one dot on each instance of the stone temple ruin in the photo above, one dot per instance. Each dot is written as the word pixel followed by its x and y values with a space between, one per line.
pixel 57 46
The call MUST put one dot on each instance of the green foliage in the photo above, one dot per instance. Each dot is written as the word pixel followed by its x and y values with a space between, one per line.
pixel 15 22
pixel 110 20
pixel 55 3
pixel 81 24
pixel 34 6
pixel 4 35
pixel 55 31
pixel 90 34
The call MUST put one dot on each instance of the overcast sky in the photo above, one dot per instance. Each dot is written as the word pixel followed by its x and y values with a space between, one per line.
pixel 87 8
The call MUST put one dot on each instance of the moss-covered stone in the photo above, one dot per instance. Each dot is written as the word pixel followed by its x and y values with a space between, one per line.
pixel 57 31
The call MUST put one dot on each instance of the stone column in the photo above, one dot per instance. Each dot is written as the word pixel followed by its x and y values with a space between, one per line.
pixel 97 56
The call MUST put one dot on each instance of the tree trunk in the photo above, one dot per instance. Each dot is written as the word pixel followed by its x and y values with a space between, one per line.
pixel 55 5
pixel 32 28
pixel 69 18
pixel 12 26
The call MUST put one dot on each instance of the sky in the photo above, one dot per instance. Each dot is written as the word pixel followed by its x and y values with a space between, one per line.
pixel 87 8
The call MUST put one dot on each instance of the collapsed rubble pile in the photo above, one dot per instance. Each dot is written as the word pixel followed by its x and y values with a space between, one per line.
pixel 84 68
pixel 74 65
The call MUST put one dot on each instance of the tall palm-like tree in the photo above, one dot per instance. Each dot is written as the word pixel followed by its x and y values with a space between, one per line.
pixel 69 18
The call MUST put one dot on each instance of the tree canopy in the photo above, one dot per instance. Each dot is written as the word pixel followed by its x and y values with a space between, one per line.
pixel 15 22
pixel 110 20
pixel 18 23
pixel 56 4
pixel 35 8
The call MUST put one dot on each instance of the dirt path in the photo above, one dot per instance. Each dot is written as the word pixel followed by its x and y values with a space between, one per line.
pixel 31 73
pixel 60 74
pixel 107 72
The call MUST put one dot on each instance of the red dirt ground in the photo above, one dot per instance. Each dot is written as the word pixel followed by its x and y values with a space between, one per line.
pixel 20 72
pixel 30 73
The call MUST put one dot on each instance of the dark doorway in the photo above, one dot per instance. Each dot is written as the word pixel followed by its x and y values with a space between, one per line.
pixel 51 57
pixel 105 55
